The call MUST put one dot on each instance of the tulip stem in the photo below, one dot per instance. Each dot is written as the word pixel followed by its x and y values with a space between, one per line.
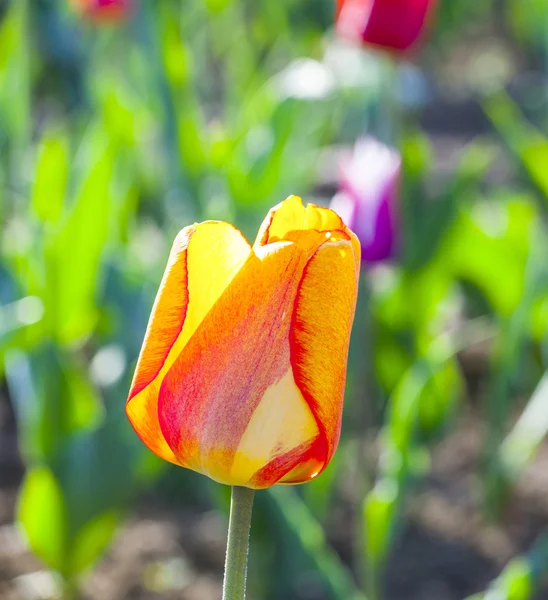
pixel 241 505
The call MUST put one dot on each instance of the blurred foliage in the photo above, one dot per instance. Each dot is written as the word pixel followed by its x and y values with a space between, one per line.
pixel 114 137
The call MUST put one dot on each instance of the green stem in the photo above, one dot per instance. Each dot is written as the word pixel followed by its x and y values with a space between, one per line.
pixel 241 505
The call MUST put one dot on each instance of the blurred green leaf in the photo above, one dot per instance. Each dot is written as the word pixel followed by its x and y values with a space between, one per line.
pixel 453 17
pixel 52 398
pixel 525 438
pixel 15 73
pixel 513 584
pixel 526 142
pixel 527 19
pixel 42 515
pixel 24 396
pixel 98 472
pixel 516 580
pixel 439 398
pixel 391 360
pixel 416 156
pixel 411 301
pixel 120 115
pixel 508 351
pixel 433 219
pixel 489 247
pixel 191 139
pixel 70 510
pixel 90 542
pixel 379 510
pixel 405 408
pixel 311 537
pixel 216 6
pixel 74 254
pixel 50 178
pixel 522 577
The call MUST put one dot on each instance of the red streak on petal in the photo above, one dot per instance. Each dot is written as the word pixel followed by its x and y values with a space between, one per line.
pixel 166 321
pixel 278 467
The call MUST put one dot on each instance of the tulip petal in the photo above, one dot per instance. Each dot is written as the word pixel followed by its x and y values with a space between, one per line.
pixel 290 216
pixel 214 252
pixel 320 334
pixel 225 404
pixel 396 24
pixel 278 426
pixel 300 465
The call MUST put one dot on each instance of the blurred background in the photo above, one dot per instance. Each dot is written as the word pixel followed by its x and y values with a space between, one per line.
pixel 118 127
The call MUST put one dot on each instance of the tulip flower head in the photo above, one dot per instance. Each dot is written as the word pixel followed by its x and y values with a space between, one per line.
pixel 395 25
pixel 105 11
pixel 242 371
pixel 368 196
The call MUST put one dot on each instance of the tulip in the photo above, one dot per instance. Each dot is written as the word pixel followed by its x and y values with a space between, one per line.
pixel 107 11
pixel 242 371
pixel 367 198
pixel 391 24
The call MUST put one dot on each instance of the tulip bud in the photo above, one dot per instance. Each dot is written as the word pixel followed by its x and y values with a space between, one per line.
pixel 104 11
pixel 391 24
pixel 242 371
pixel 368 196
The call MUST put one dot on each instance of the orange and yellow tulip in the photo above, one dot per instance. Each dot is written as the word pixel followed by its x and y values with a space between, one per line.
pixel 242 371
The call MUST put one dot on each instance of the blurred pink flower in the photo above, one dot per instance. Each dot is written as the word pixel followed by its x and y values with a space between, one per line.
pixel 104 11
pixel 368 197
pixel 391 24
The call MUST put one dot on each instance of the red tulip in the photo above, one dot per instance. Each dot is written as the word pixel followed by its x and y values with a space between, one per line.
pixel 391 24
pixel 107 11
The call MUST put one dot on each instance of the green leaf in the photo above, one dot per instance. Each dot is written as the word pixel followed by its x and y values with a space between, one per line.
pixel 379 511
pixel 514 583
pixel 14 72
pixel 74 254
pixel 42 515
pixel 526 142
pixel 516 580
pixel 296 516
pixel 52 397
pixel 523 442
pixel 489 248
pixel 50 178
pixel 440 396
pixel 405 405
pixel 416 156
pixel 99 470
pixel 527 19
pixel 69 510
pixel 90 542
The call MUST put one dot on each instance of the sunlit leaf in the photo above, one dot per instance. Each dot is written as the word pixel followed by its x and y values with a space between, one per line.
pixel 42 515
pixel 50 179
pixel 75 253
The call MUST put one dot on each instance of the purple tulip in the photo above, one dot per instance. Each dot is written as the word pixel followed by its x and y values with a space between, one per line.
pixel 368 196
